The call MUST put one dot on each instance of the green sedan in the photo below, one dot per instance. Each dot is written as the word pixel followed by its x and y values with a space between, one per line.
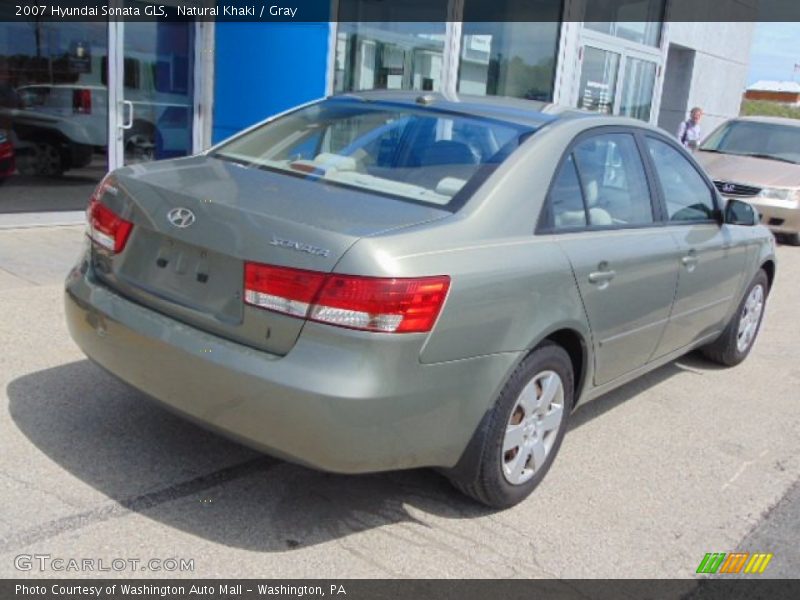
pixel 390 281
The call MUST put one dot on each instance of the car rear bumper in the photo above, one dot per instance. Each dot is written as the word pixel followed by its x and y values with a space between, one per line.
pixel 340 400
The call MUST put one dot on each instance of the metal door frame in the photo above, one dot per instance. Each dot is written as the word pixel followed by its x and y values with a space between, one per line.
pixel 203 77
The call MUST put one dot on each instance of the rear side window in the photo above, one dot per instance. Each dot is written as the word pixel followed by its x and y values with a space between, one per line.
pixel 422 155
pixel 686 194
pixel 613 180
pixel 566 198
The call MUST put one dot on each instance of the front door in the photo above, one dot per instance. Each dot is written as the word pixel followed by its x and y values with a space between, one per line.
pixel 151 89
pixel 712 256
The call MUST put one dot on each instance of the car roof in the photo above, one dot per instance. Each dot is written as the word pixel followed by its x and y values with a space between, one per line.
pixel 518 111
pixel 774 120
pixel 513 110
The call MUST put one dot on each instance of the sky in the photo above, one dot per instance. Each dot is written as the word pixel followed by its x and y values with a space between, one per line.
pixel 775 51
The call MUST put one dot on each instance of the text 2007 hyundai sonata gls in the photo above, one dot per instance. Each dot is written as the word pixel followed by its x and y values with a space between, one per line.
pixel 390 281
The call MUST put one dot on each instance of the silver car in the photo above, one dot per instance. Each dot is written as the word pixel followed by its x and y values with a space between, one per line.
pixel 387 281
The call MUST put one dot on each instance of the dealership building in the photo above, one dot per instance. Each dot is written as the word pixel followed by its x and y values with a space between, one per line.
pixel 140 91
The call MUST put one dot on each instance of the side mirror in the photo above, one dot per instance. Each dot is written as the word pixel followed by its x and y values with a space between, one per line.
pixel 740 213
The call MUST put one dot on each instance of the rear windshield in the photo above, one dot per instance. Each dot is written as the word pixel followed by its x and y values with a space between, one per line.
pixel 421 155
pixel 753 138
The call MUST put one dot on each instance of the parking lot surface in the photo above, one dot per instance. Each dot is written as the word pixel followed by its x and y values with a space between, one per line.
pixel 689 459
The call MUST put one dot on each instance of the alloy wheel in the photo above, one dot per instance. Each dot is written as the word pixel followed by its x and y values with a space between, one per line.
pixel 751 315
pixel 532 427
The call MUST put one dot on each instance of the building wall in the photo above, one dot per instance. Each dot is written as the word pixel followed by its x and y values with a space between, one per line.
pixel 719 70
pixel 264 68
pixel 677 86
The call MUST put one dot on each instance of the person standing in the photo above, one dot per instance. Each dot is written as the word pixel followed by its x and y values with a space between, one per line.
pixel 689 131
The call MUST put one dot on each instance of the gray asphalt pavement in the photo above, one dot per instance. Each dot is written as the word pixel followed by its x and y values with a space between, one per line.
pixel 690 459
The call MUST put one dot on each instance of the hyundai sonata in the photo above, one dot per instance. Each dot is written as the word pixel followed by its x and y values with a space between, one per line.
pixel 386 281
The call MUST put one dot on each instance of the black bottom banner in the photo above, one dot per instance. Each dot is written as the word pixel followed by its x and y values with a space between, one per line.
pixel 362 589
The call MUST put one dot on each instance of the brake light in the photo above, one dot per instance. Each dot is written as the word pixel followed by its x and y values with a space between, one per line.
pixel 82 101
pixel 103 226
pixel 388 305
pixel 289 291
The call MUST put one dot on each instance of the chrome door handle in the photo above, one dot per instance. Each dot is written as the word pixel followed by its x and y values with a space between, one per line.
pixel 129 123
pixel 690 259
pixel 601 276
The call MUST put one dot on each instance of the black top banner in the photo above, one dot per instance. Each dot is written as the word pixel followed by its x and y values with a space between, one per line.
pixel 401 10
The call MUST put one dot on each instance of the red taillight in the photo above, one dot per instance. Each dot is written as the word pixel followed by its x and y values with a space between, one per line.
pixel 103 226
pixel 389 305
pixel 82 101
pixel 283 290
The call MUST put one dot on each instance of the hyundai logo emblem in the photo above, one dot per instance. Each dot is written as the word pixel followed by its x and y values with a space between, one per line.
pixel 180 217
pixel 728 187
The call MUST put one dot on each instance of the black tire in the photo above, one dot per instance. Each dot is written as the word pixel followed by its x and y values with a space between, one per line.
pixel 479 474
pixel 44 160
pixel 725 350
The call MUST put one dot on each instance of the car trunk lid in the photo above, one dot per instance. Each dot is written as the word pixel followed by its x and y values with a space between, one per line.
pixel 198 220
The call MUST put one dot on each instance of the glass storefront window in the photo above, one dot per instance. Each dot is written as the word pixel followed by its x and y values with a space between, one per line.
pixel 508 59
pixel 53 114
pixel 647 33
pixel 504 58
pixel 598 85
pixel 635 20
pixel 637 92
pixel 158 85
pixel 393 56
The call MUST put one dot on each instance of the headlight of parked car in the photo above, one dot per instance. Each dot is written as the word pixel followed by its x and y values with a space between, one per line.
pixel 778 194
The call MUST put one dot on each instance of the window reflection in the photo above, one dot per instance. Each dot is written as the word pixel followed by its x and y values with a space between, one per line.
pixel 637 93
pixel 53 114
pixel 390 56
pixel 648 33
pixel 158 82
pixel 598 80
pixel 508 59
pixel 635 20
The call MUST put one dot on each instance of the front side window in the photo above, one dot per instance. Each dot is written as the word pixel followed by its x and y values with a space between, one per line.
pixel 686 194
pixel 613 180
pixel 414 154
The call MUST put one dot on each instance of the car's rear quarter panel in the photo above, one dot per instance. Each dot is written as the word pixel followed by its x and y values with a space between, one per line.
pixel 509 288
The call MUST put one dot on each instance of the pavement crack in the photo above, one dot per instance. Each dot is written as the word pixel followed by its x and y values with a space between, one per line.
pixel 18 276
pixel 28 485
pixel 140 503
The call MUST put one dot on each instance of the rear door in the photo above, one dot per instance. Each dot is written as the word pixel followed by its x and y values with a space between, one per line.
pixel 712 256
pixel 624 261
